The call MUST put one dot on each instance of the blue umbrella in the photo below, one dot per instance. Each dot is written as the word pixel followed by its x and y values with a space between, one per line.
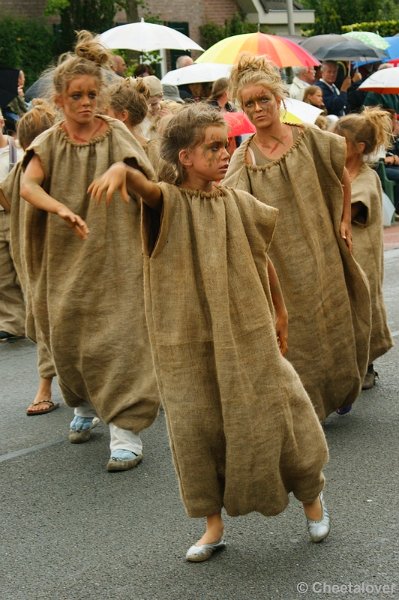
pixel 393 48
pixel 392 52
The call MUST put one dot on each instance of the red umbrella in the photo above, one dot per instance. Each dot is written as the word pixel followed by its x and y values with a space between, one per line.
pixel 238 123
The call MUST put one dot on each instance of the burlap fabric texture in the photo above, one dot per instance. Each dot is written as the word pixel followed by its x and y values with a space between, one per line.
pixel 324 288
pixel 242 429
pixel 13 203
pixel 88 295
pixel 368 249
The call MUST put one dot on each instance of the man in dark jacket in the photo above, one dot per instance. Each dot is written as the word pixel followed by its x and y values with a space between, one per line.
pixel 335 100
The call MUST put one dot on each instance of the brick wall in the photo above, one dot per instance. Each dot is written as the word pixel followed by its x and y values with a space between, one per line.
pixel 220 11
pixel 193 12
pixel 185 11
pixel 23 8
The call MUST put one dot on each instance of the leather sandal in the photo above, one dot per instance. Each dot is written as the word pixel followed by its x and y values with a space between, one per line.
pixel 50 406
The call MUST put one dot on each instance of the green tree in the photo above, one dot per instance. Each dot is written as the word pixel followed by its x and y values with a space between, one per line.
pixel 94 15
pixel 212 33
pixel 25 44
pixel 331 15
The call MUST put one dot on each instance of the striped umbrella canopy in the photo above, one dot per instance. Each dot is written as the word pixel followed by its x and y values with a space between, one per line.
pixel 281 51
pixel 382 82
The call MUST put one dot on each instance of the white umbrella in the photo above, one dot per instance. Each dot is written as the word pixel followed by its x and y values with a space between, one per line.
pixel 197 73
pixel 146 37
pixel 388 210
pixel 385 81
pixel 301 111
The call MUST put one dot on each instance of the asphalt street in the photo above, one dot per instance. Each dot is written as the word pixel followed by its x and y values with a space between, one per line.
pixel 70 530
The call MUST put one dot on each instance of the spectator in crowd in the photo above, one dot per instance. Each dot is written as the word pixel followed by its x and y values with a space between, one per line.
pixel 335 100
pixel 184 90
pixel 143 70
pixel 118 65
pixel 171 93
pixel 17 107
pixel 154 101
pixel 183 61
pixel 314 96
pixel 303 78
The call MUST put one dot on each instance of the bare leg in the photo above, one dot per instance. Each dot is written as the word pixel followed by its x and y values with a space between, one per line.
pixel 42 402
pixel 210 542
pixel 214 530
pixel 313 510
pixel 318 519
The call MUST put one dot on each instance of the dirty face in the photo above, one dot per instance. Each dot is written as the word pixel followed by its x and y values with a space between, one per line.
pixel 260 105
pixel 79 100
pixel 209 159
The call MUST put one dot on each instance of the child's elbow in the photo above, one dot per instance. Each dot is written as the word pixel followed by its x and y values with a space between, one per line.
pixel 24 190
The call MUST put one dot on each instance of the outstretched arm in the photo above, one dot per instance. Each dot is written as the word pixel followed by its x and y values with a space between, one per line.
pixel 33 193
pixel 345 229
pixel 120 177
pixel 279 308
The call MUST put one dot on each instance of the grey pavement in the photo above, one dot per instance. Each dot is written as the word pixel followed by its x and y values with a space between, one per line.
pixel 72 531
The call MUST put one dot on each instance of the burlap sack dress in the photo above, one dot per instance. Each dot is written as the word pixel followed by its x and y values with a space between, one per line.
pixel 368 249
pixel 88 294
pixel 242 429
pixel 325 290
pixel 13 203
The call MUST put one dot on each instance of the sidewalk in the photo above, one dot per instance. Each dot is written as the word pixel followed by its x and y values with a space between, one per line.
pixel 391 237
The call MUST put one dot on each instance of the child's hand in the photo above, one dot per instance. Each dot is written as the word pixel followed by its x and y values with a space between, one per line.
pixel 282 331
pixel 114 179
pixel 345 231
pixel 73 221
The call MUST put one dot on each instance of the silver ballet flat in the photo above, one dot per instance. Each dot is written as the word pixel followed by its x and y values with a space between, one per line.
pixel 319 530
pixel 203 552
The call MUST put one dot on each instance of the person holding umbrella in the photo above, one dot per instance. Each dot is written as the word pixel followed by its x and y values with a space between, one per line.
pixel 335 100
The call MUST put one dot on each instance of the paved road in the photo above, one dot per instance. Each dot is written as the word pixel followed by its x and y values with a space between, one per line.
pixel 72 531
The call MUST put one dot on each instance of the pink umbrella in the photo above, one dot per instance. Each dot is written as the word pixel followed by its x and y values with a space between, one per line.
pixel 238 123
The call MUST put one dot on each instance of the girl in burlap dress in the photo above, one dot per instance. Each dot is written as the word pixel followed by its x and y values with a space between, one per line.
pixel 300 170
pixel 87 290
pixel 39 118
pixel 364 134
pixel 242 429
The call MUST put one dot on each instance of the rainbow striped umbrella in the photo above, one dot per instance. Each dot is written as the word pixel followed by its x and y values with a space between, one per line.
pixel 281 51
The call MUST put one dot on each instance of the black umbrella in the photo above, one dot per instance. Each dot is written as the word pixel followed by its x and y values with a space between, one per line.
pixel 332 46
pixel 43 87
pixel 8 85
pixel 315 42
pixel 355 50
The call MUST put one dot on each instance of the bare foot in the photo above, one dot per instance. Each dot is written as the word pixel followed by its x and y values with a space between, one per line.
pixel 40 408
pixel 42 402
pixel 313 510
